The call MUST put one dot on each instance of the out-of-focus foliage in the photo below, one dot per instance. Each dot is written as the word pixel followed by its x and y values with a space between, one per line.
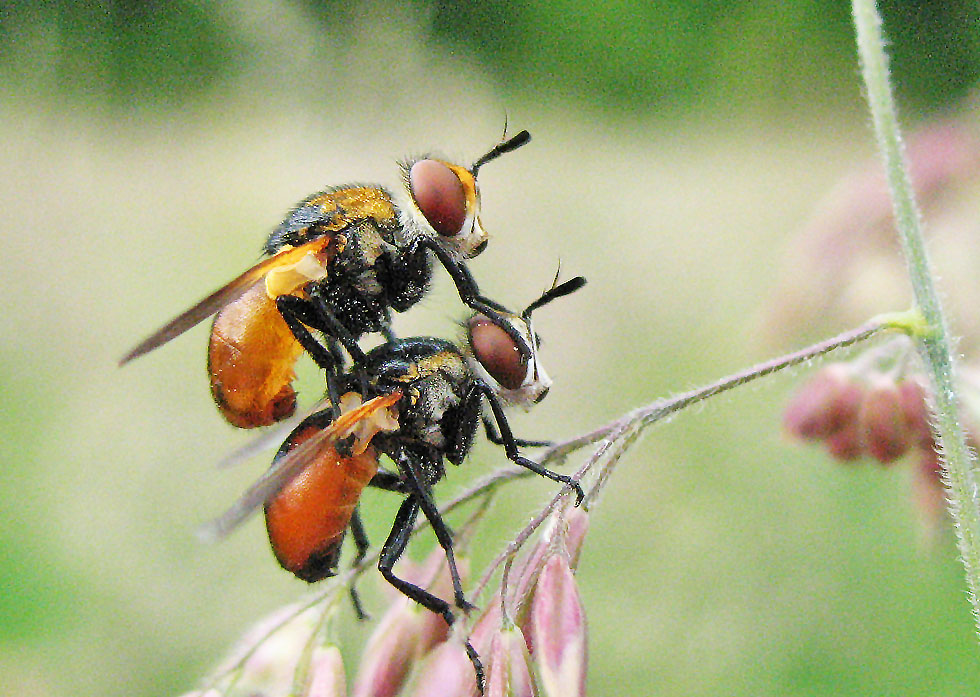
pixel 635 53
pixel 621 54
pixel 119 50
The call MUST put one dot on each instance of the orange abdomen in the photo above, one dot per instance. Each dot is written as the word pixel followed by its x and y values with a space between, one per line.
pixel 307 519
pixel 250 361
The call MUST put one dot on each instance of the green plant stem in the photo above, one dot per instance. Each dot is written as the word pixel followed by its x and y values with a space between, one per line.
pixel 933 342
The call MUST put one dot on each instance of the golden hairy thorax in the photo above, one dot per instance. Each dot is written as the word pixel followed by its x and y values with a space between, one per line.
pixel 344 207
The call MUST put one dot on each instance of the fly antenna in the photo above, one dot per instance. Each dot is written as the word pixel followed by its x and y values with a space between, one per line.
pixel 569 286
pixel 504 146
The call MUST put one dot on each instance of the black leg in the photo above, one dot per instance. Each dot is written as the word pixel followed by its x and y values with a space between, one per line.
pixel 393 547
pixel 510 444
pixel 295 311
pixel 469 294
pixel 495 438
pixel 388 481
pixel 336 352
pixel 335 328
pixel 333 390
pixel 361 542
pixel 392 550
pixel 386 330
pixel 333 395
pixel 420 492
pixel 471 282
pixel 361 545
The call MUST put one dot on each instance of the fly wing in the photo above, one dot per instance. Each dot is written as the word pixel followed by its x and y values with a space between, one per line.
pixel 270 438
pixel 222 297
pixel 290 465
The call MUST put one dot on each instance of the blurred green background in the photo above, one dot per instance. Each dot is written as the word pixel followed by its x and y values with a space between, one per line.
pixel 678 146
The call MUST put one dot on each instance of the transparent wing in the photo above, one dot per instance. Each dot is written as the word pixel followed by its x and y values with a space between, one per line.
pixel 220 298
pixel 290 465
pixel 270 438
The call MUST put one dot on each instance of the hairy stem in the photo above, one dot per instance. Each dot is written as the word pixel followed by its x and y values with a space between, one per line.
pixel 655 412
pixel 932 340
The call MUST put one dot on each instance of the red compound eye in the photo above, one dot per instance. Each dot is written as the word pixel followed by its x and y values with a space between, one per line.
pixel 497 353
pixel 438 192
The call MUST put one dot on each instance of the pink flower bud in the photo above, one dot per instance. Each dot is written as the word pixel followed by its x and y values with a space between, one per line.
pixel 446 672
pixel 272 647
pixel 883 423
pixel 486 626
pixel 558 632
pixel 406 632
pixel 509 669
pixel 390 652
pixel 941 152
pixel 577 522
pixel 327 674
pixel 824 405
pixel 437 581
pixel 565 533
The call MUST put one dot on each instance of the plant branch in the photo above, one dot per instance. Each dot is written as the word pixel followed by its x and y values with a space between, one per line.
pixel 617 436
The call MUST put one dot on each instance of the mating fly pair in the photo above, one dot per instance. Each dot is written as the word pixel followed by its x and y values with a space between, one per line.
pixel 339 263
pixel 423 405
